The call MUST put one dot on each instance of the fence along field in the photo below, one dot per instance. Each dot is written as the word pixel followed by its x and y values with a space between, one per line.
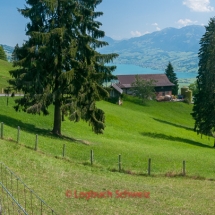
pixel 17 198
pixel 167 152
pixel 119 167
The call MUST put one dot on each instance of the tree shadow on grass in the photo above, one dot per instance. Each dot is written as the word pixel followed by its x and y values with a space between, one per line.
pixel 173 124
pixel 30 128
pixel 171 138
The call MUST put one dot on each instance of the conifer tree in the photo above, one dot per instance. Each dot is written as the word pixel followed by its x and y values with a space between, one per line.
pixel 59 63
pixel 3 56
pixel 193 88
pixel 171 75
pixel 204 102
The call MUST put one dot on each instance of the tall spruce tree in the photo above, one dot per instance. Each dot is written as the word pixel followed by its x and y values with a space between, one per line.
pixel 204 102
pixel 171 75
pixel 3 55
pixel 59 63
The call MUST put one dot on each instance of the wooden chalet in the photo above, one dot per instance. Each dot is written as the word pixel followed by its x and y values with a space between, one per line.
pixel 162 84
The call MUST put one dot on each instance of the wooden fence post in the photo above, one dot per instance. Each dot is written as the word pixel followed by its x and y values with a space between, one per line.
pixel 64 149
pixel 2 129
pixel 36 143
pixel 91 157
pixel 184 169
pixel 149 166
pixel 120 164
pixel 18 133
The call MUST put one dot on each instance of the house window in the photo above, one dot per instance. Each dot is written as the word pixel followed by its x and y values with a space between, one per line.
pixel 113 93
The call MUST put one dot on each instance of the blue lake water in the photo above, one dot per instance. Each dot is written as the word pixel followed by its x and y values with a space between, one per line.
pixel 128 69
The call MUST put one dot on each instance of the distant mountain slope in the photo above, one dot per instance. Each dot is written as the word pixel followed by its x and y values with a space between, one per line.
pixel 155 50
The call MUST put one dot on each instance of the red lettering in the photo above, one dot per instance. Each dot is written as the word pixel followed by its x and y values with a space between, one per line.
pixel 135 194
pixel 102 195
pixel 139 194
pixel 121 194
pixel 68 193
pixel 146 194
pixel 75 194
pixel 117 192
pixel 88 195
pixel 109 193
pixel 124 194
pixel 131 194
pixel 94 194
pixel 82 195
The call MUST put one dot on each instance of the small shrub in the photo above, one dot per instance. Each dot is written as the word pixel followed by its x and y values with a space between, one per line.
pixel 187 101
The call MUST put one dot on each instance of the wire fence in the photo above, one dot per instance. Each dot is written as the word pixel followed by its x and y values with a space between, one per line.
pixel 8 204
pixel 17 198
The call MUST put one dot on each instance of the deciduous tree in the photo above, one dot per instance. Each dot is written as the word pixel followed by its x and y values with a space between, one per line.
pixel 144 89
pixel 171 75
pixel 193 88
pixel 60 64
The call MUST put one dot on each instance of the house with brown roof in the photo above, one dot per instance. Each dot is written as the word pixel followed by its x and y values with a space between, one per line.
pixel 162 84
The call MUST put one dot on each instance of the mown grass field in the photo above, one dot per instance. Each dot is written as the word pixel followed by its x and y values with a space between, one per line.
pixel 160 131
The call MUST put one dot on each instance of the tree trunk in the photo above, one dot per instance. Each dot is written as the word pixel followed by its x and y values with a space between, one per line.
pixel 57 119
pixel 63 117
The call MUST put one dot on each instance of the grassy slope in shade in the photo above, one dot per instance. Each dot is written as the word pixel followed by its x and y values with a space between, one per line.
pixel 161 131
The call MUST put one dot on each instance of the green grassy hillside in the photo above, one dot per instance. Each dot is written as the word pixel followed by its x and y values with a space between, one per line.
pixel 4 74
pixel 160 131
